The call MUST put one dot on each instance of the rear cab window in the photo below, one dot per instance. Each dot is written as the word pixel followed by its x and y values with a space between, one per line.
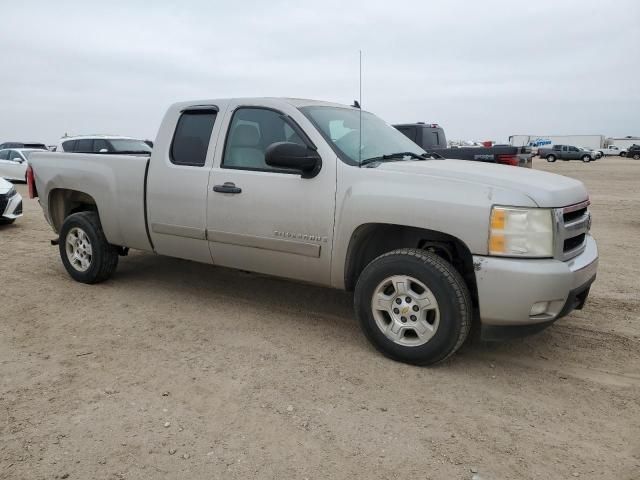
pixel 191 138
pixel 409 132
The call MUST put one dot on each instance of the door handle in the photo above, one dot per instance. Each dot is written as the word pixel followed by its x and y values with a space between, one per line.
pixel 227 187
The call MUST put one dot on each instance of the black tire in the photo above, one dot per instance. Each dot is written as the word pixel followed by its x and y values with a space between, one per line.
pixel 446 285
pixel 586 158
pixel 551 158
pixel 636 156
pixel 104 257
pixel 623 154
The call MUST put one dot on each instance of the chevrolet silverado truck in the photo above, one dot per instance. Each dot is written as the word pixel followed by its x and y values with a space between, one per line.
pixel 332 195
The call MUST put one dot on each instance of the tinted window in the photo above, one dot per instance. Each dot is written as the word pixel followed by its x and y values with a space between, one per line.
pixel 129 145
pixel 84 145
pixel 69 146
pixel 191 138
pixel 101 144
pixel 409 132
pixel 4 154
pixel 251 131
pixel 14 155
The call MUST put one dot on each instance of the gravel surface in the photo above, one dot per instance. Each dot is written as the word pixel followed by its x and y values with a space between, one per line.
pixel 174 369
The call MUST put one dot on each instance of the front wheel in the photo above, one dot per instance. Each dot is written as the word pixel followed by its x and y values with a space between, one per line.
pixel 586 158
pixel 84 249
pixel 551 158
pixel 623 154
pixel 413 306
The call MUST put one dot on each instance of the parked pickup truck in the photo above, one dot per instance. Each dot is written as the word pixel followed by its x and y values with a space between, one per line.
pixel 612 150
pixel 431 137
pixel 295 188
pixel 566 152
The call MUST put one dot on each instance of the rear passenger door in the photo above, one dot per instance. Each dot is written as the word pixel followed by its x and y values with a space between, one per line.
pixel 177 182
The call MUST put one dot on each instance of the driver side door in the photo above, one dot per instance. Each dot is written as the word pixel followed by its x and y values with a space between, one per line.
pixel 264 219
pixel 15 167
pixel 4 163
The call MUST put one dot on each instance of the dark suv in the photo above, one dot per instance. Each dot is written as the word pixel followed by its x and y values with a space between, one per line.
pixel 634 152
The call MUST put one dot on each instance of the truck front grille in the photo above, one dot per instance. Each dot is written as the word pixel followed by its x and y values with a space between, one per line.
pixel 572 225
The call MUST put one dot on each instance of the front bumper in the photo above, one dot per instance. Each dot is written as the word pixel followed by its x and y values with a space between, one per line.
pixel 12 207
pixel 508 288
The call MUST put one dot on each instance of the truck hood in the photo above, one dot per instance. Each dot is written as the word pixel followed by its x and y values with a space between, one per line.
pixel 547 190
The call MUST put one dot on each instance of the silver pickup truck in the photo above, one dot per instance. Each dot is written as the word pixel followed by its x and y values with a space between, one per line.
pixel 332 195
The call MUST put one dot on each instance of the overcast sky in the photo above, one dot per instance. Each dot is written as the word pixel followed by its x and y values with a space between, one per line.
pixel 482 69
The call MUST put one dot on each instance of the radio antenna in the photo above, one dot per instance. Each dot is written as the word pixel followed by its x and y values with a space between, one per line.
pixel 360 107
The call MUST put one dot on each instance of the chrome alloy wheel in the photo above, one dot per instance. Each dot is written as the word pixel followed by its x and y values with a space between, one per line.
pixel 405 310
pixel 78 248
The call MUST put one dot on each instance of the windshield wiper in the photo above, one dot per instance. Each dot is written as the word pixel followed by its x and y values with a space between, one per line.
pixel 393 156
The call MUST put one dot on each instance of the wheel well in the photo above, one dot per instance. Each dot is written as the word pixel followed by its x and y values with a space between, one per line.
pixel 64 202
pixel 372 240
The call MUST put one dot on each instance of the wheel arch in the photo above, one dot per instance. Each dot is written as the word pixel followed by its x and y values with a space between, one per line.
pixel 369 241
pixel 64 202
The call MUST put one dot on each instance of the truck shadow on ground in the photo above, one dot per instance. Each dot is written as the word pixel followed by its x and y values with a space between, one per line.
pixel 207 284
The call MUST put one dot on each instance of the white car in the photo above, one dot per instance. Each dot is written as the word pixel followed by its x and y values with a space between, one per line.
pixel 612 150
pixel 10 203
pixel 14 163
pixel 595 154
pixel 103 144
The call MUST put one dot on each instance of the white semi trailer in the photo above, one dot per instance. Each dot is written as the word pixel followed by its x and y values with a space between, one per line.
pixel 592 142
pixel 623 142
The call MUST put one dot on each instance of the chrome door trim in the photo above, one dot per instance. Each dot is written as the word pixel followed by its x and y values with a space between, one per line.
pixel 265 243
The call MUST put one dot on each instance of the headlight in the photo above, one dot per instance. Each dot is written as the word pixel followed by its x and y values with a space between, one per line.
pixel 522 232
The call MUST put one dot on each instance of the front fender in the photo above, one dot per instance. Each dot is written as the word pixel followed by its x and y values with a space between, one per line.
pixel 460 209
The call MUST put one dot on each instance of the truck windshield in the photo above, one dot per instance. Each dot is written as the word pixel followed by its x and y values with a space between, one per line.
pixel 341 128
pixel 129 145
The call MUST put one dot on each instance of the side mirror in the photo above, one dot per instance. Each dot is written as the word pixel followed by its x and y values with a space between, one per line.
pixel 293 156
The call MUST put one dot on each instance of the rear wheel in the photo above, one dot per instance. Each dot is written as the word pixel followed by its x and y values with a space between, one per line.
pixel 84 249
pixel 586 158
pixel 413 306
pixel 623 154
pixel 636 156
pixel 551 158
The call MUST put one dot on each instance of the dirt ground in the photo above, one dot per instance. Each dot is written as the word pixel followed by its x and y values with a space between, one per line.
pixel 178 370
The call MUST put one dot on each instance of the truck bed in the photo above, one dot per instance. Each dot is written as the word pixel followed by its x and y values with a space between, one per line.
pixel 115 182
